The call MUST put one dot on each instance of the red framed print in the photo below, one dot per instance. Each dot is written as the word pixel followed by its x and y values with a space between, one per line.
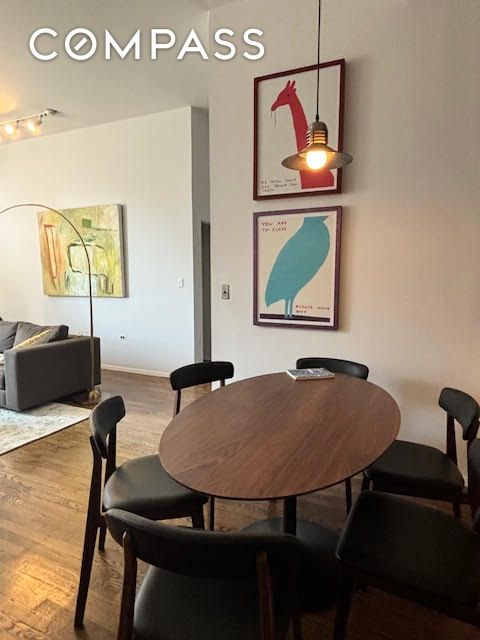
pixel 297 268
pixel 284 106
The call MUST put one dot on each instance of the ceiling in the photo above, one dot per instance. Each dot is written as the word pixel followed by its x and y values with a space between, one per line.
pixel 98 91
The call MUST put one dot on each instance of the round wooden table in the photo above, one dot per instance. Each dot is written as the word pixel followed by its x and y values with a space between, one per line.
pixel 272 437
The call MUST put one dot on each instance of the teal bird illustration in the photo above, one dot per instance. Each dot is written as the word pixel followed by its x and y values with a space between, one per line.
pixel 298 262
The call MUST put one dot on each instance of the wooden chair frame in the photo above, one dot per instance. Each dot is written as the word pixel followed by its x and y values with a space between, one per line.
pixel 96 521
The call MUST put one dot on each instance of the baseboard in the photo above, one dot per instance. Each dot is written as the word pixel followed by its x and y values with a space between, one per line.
pixel 140 372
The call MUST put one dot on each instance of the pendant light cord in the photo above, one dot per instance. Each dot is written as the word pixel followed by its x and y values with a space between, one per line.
pixel 317 117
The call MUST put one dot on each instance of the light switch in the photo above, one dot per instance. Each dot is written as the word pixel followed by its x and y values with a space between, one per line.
pixel 180 283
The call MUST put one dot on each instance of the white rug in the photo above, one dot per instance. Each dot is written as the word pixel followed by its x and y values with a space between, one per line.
pixel 18 429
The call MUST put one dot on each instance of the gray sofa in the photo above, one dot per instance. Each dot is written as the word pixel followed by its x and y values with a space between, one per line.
pixel 42 373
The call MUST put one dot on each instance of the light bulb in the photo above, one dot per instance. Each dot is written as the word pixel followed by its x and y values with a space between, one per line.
pixel 316 159
pixel 9 129
pixel 31 126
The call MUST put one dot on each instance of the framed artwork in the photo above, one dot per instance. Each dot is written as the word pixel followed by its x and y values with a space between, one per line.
pixel 285 105
pixel 64 263
pixel 297 268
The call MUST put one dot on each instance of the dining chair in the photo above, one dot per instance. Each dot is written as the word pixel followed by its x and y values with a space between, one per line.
pixel 193 375
pixel 140 485
pixel 412 551
pixel 348 368
pixel 203 585
pixel 421 471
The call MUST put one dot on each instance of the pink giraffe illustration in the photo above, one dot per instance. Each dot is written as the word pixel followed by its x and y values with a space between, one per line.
pixel 288 97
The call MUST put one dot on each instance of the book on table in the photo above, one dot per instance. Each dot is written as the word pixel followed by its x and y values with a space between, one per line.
pixel 310 374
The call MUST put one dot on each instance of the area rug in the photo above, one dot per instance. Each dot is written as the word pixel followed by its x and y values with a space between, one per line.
pixel 19 429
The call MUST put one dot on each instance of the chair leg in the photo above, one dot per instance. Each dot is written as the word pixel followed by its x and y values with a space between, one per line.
pixel 365 484
pixel 86 570
pixel 102 536
pixel 297 626
pixel 457 510
pixel 347 588
pixel 211 519
pixel 348 494
pixel 198 520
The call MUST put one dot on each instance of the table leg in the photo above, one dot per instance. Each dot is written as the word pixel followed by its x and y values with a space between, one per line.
pixel 290 515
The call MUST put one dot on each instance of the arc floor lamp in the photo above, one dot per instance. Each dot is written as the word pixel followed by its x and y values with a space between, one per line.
pixel 94 394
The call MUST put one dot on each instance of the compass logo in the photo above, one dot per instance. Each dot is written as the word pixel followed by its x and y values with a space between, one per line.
pixel 82 44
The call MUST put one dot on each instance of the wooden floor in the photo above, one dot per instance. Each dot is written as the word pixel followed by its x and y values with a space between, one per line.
pixel 43 497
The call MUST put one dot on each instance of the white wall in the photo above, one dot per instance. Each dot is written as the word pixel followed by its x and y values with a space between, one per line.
pixel 410 272
pixel 144 164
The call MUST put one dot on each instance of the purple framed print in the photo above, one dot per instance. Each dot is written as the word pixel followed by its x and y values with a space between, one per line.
pixel 284 106
pixel 297 268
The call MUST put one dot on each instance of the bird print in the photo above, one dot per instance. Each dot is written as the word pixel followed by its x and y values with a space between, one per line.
pixel 298 262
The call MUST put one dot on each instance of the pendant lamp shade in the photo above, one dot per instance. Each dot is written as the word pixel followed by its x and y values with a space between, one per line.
pixel 317 155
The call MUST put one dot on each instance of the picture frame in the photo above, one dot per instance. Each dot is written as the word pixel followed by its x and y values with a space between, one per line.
pixel 62 253
pixel 284 106
pixel 297 267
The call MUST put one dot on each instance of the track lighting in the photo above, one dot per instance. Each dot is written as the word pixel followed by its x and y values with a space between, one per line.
pixel 31 125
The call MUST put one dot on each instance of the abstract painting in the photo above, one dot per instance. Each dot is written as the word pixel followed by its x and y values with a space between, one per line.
pixel 297 267
pixel 64 262
pixel 285 105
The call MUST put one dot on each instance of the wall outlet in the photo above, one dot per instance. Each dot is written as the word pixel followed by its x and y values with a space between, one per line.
pixel 123 338
pixel 225 292
pixel 180 283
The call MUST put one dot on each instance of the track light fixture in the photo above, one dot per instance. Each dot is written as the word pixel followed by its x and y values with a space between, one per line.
pixel 31 125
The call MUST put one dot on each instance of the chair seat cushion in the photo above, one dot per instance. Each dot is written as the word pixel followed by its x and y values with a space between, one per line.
pixel 415 466
pixel 415 547
pixel 170 606
pixel 142 486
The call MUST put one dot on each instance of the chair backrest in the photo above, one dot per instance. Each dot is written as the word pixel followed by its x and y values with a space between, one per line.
pixel 199 373
pixel 205 554
pixel 463 408
pixel 335 366
pixel 200 553
pixel 474 482
pixel 103 421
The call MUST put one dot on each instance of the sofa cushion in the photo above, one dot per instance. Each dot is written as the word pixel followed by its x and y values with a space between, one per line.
pixel 27 331
pixel 8 331
pixel 2 377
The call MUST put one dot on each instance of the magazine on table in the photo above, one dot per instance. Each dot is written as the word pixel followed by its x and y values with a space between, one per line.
pixel 310 374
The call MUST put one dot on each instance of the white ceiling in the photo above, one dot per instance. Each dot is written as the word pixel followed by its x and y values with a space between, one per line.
pixel 97 91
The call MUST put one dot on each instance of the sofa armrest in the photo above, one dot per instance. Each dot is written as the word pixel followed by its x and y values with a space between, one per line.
pixel 46 372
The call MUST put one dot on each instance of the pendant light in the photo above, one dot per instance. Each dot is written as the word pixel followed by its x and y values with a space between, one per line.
pixel 317 155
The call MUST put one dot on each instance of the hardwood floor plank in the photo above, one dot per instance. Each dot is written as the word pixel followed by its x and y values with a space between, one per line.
pixel 43 498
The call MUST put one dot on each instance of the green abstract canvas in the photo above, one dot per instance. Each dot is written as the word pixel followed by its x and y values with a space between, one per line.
pixel 64 262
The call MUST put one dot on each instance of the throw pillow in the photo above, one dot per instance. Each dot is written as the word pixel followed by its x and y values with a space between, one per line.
pixel 8 332
pixel 26 330
pixel 40 338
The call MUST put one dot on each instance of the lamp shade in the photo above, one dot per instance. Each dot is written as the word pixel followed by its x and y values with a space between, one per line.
pixel 317 155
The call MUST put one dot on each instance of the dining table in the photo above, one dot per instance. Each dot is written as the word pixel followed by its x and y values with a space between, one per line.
pixel 271 437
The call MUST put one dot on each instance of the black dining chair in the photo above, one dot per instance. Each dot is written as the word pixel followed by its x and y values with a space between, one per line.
pixel 348 368
pixel 413 551
pixel 204 585
pixel 193 375
pixel 141 486
pixel 421 471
